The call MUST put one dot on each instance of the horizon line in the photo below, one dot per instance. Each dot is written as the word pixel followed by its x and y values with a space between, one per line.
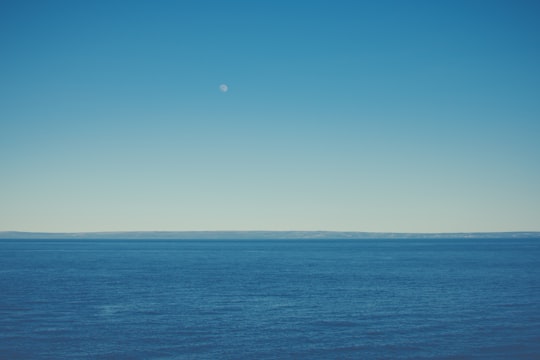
pixel 258 230
pixel 259 235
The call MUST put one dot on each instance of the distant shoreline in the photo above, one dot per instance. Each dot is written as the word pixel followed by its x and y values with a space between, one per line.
pixel 259 235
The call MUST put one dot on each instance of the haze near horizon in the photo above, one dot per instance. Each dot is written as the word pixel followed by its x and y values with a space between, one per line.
pixel 381 116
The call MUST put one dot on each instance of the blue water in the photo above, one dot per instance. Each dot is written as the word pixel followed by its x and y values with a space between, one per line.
pixel 365 299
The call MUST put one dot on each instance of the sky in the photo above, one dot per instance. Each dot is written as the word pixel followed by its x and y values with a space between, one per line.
pixel 383 116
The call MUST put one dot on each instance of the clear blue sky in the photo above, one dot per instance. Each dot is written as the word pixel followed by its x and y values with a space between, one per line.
pixel 406 116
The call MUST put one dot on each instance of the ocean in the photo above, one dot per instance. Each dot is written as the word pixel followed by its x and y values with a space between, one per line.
pixel 266 299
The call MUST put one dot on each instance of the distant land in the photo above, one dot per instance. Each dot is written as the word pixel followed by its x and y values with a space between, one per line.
pixel 260 235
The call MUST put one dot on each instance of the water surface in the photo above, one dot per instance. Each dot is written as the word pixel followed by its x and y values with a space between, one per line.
pixel 342 299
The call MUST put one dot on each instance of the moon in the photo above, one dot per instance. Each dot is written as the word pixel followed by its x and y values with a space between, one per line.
pixel 223 88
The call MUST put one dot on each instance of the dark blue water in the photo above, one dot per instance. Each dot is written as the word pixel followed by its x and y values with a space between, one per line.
pixel 454 299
